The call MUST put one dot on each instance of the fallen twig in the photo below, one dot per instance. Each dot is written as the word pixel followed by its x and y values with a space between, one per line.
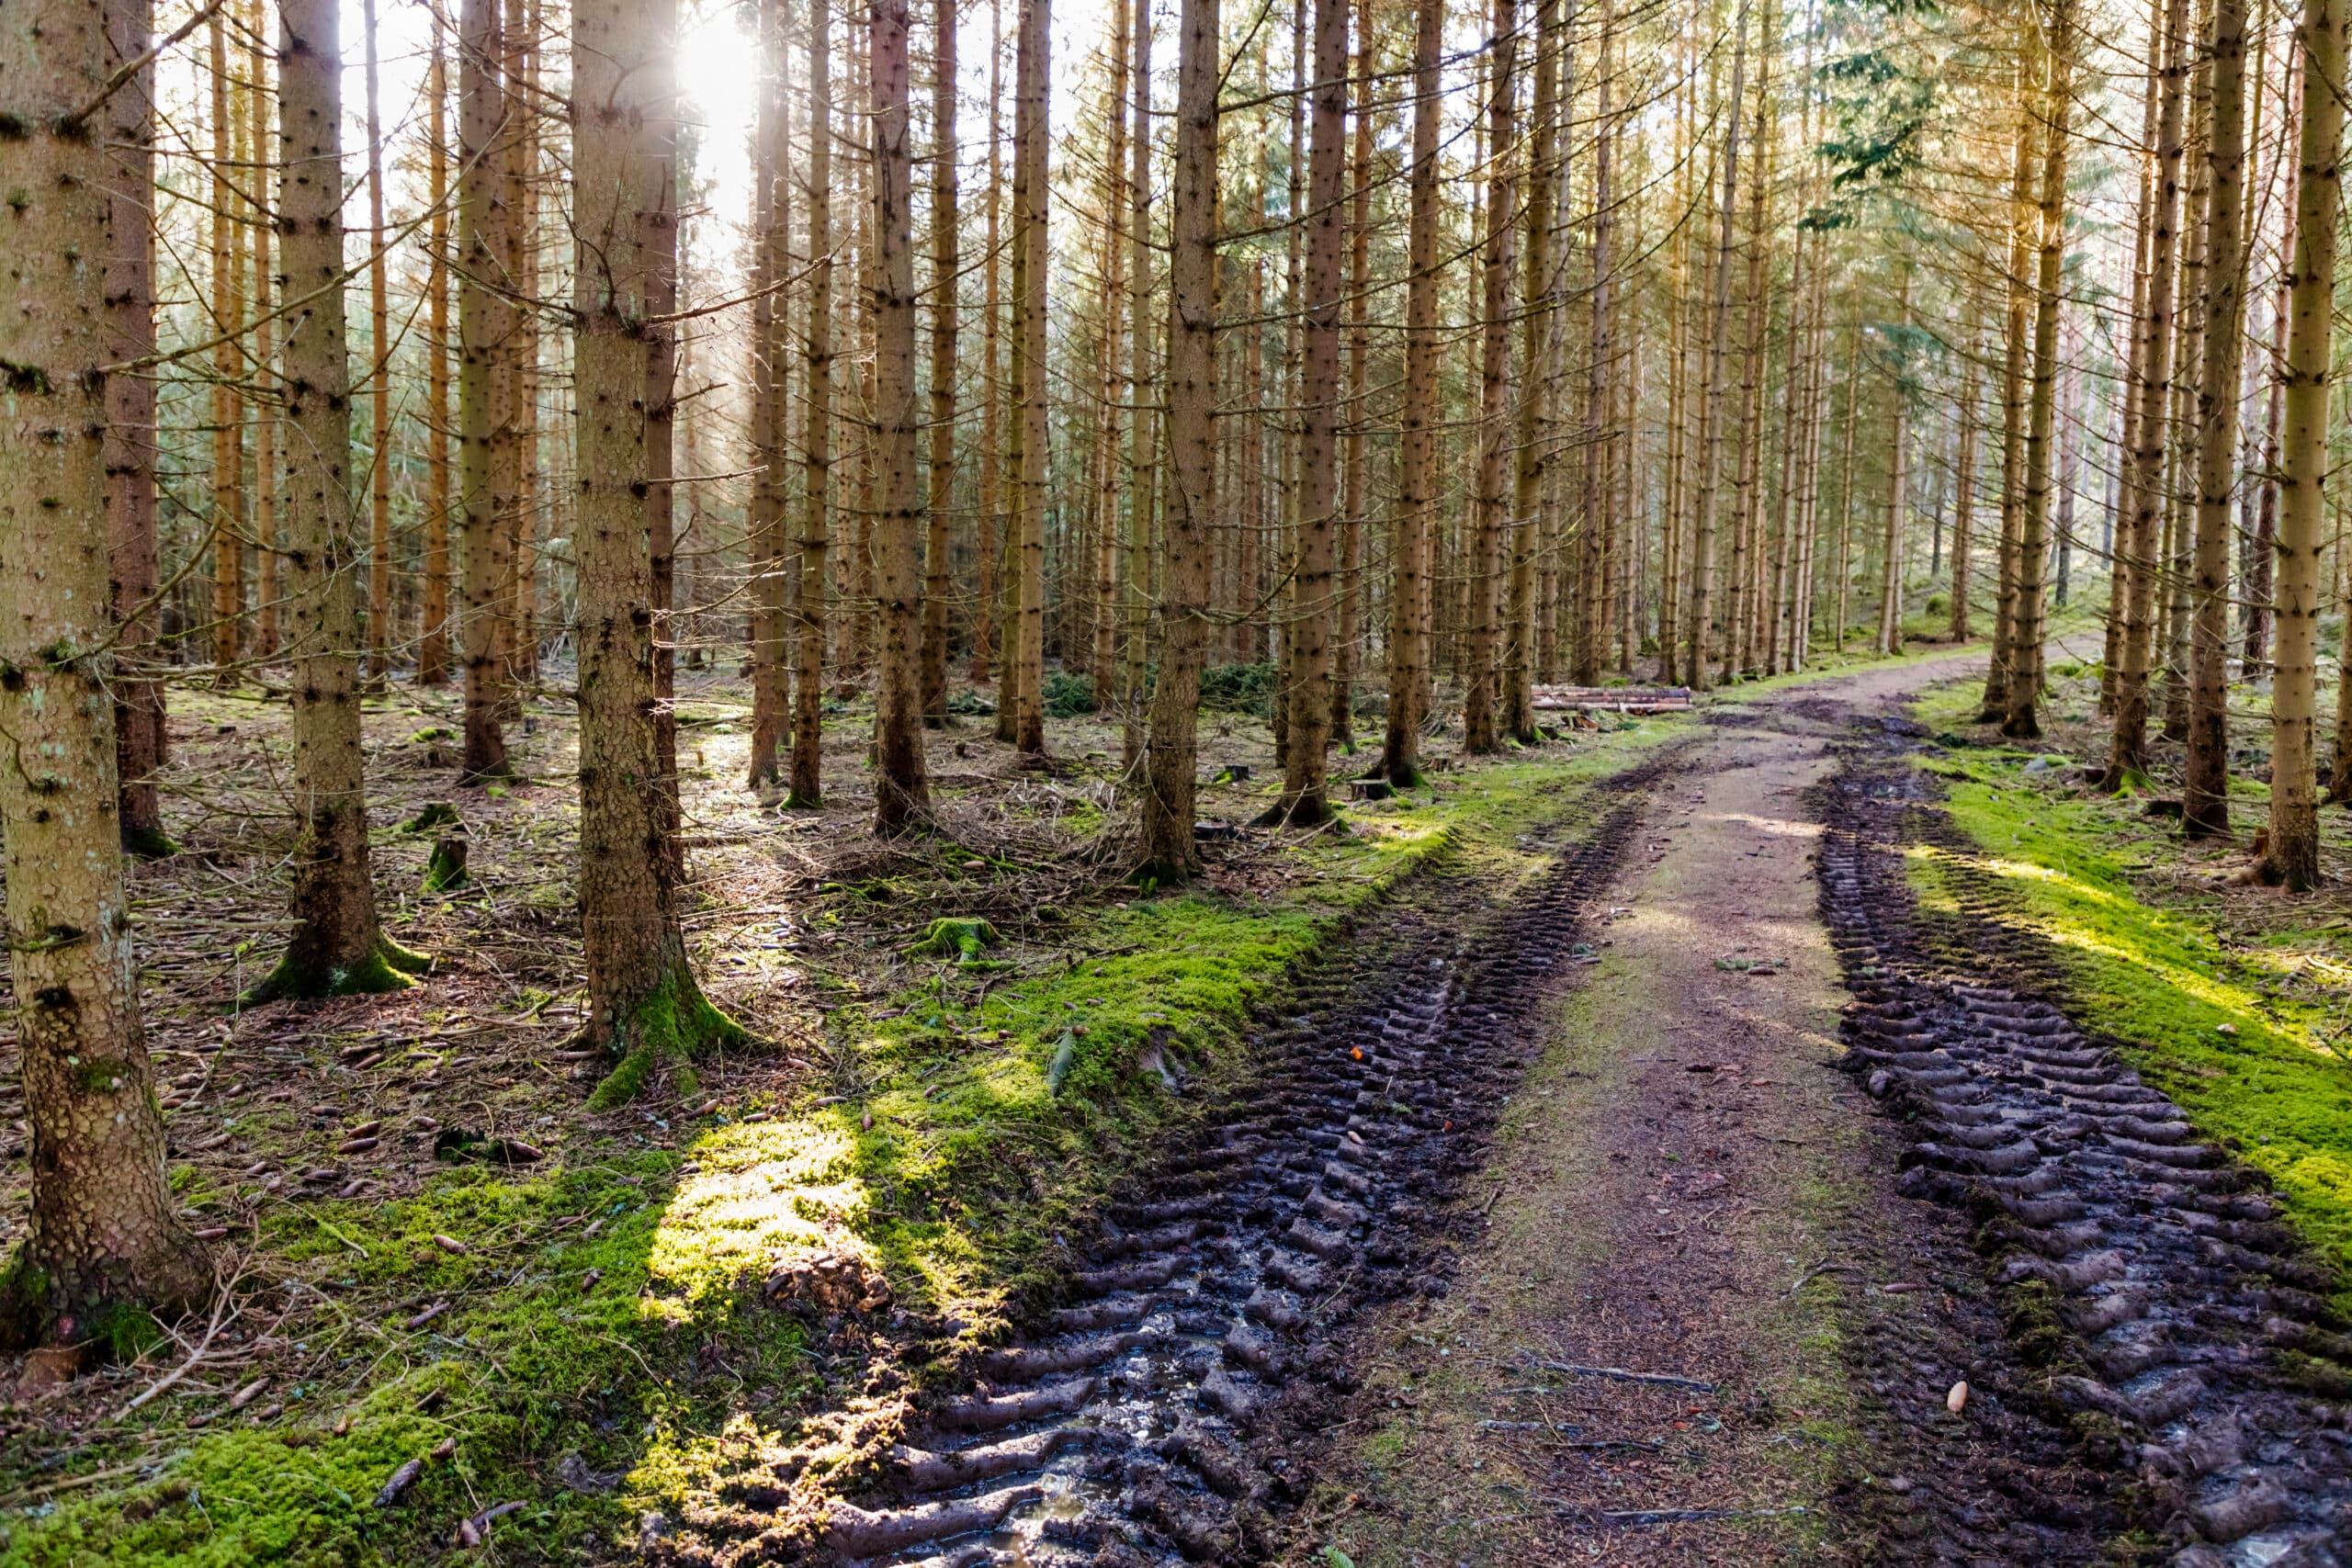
pixel 210 1330
pixel 1619 1374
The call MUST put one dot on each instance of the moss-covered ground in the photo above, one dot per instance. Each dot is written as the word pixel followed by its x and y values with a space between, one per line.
pixel 576 1324
pixel 2234 998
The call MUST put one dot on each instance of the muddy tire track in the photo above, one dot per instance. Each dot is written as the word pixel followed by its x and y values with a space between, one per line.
pixel 1168 1406
pixel 2148 1346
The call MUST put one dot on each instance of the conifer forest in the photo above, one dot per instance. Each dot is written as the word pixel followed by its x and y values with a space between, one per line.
pixel 1393 783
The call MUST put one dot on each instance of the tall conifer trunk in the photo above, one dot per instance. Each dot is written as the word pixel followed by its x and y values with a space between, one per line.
pixel 336 946
pixel 2293 857
pixel 1171 753
pixel 104 1232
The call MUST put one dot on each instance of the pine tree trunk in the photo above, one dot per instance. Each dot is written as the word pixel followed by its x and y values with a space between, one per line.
pixel 901 798
pixel 1963 527
pixel 228 406
pixel 433 645
pixel 945 264
pixel 1700 629
pixel 1305 792
pixel 2138 550
pixel 2180 444
pixel 336 946
pixel 1738 607
pixel 1171 753
pixel 482 570
pixel 1103 654
pixel 1995 706
pixel 1143 469
pixel 1032 68
pixel 2205 809
pixel 1409 595
pixel 104 1232
pixel 644 1006
pixel 1541 311
pixel 664 284
pixel 765 520
pixel 265 637
pixel 2293 857
pixel 806 787
pixel 1499 254
pixel 130 450
pixel 2029 625
pixel 991 528
pixel 1356 451
pixel 381 637
pixel 1898 489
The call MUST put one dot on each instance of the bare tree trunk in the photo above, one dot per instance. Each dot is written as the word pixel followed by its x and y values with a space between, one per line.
pixel 103 1231
pixel 901 798
pixel 2138 550
pixel 1030 403
pixel 1143 469
pixel 1738 608
pixel 381 634
pixel 1103 657
pixel 1408 611
pixel 663 287
pixel 1171 755
pixel 2180 437
pixel 945 264
pixel 1356 458
pixel 1499 254
pixel 991 527
pixel 1305 799
pixel 433 647
pixel 482 570
pixel 1700 629
pixel 805 778
pixel 130 448
pixel 265 638
pixel 2205 809
pixel 1963 527
pixel 1995 706
pixel 336 946
pixel 766 518
pixel 644 1006
pixel 2293 857
pixel 1898 486
pixel 2028 623
pixel 1541 309
pixel 228 404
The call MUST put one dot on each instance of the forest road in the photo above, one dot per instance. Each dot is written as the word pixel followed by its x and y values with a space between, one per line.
pixel 1645 1355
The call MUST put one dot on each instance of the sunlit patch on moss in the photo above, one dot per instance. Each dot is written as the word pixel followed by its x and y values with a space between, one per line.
pixel 2211 1025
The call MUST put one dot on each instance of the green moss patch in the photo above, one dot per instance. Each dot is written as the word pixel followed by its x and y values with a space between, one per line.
pixel 2243 1035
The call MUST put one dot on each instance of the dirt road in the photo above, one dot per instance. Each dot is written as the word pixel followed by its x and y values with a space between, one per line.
pixel 1679 1190
pixel 1550 1231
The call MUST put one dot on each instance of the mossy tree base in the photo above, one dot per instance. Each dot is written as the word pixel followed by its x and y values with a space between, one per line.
pixel 672 1026
pixel 149 843
pixel 115 1313
pixel 796 801
pixel 435 814
pixel 445 872
pixel 387 967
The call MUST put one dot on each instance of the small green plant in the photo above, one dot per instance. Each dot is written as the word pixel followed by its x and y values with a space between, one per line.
pixel 1067 695
pixel 1239 688
pixel 960 938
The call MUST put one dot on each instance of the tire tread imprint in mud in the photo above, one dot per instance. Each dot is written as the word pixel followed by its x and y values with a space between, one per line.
pixel 2147 1322
pixel 1169 1403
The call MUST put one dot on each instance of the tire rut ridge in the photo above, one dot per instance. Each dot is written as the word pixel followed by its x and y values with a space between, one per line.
pixel 1168 1408
pixel 2154 1294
